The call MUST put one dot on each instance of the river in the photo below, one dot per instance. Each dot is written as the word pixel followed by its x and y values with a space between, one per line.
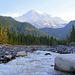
pixel 36 63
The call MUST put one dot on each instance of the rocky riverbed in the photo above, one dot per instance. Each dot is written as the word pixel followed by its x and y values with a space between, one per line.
pixel 35 63
pixel 11 52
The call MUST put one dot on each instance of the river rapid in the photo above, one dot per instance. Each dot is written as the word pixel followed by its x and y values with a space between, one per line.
pixel 35 63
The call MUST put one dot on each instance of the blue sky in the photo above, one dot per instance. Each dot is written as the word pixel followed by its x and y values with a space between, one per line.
pixel 64 9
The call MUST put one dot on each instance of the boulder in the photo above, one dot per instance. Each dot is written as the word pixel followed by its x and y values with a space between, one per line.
pixel 33 49
pixel 22 53
pixel 72 44
pixel 2 59
pixel 8 57
pixel 65 62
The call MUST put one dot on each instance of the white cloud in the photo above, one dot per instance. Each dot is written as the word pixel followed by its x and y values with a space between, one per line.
pixel 11 14
pixel 67 16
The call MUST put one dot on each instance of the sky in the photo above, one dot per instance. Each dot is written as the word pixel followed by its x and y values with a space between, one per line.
pixel 64 9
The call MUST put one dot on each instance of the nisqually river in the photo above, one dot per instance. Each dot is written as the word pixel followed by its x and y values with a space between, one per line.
pixel 36 63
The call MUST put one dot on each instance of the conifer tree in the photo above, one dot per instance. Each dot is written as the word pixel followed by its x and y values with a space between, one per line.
pixel 71 38
pixel 0 34
pixel 72 34
pixel 5 37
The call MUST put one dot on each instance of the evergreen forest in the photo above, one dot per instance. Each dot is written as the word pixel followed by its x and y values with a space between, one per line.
pixel 7 37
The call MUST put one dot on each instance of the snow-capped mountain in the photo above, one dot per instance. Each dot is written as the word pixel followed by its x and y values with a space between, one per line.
pixel 41 20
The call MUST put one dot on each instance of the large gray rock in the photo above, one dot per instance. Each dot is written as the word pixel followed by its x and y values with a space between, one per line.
pixel 65 62
pixel 22 53
pixel 72 44
pixel 8 57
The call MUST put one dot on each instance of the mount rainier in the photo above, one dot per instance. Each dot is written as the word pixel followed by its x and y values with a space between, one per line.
pixel 41 20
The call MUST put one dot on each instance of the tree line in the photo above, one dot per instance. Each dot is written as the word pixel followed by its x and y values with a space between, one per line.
pixel 7 37
pixel 3 34
pixel 22 39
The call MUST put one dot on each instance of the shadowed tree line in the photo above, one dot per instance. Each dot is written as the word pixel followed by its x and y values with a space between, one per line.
pixel 7 37
pixel 21 39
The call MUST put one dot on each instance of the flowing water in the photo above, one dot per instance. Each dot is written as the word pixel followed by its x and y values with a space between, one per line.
pixel 36 63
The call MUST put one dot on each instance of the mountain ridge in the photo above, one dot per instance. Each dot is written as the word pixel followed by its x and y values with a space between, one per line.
pixel 61 33
pixel 20 27
pixel 41 20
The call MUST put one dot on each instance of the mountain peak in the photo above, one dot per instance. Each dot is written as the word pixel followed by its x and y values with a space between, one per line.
pixel 37 11
pixel 40 19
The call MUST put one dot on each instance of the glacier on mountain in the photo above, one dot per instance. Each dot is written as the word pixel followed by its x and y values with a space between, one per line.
pixel 41 20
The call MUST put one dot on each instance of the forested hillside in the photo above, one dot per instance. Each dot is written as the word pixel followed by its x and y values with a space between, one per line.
pixel 20 27
pixel 14 32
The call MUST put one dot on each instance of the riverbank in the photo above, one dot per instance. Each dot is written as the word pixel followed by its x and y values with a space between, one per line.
pixel 9 52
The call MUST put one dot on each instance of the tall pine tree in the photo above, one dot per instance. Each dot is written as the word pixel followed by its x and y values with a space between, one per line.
pixel 72 35
pixel 0 34
pixel 5 37
pixel 71 38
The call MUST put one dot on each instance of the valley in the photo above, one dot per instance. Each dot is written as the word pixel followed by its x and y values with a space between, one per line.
pixel 37 37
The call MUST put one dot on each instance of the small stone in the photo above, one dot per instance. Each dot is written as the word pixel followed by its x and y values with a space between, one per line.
pixel 52 65
pixel 47 54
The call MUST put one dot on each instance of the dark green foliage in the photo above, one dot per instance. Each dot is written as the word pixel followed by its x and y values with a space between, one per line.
pixel 21 39
pixel 71 38
pixel 61 42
